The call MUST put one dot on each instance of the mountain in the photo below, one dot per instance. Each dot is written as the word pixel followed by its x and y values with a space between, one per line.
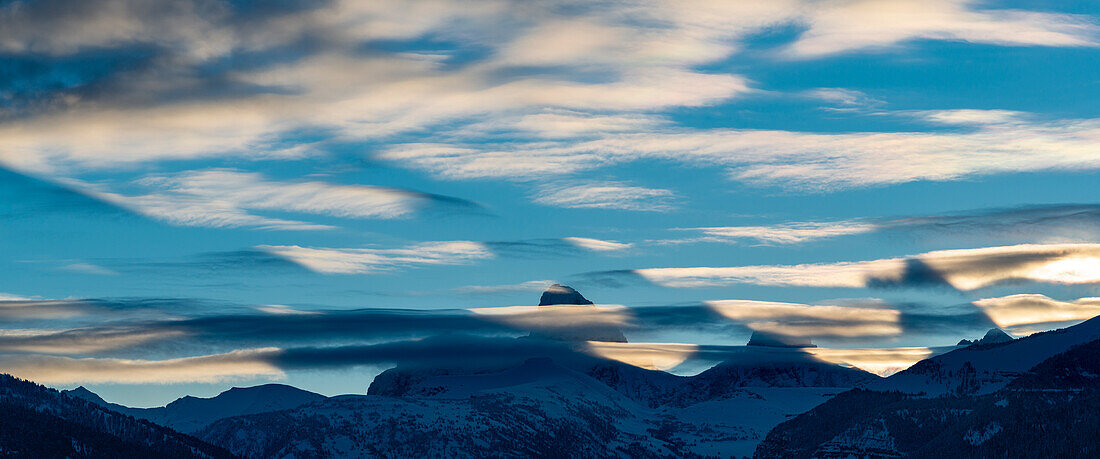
pixel 190 414
pixel 41 422
pixel 558 294
pixel 563 400
pixel 537 409
pixel 1050 409
pixel 572 317
pixel 986 367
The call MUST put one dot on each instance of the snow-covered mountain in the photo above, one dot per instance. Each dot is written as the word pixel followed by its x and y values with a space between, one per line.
pixel 40 422
pixel 190 414
pixel 1035 396
pixel 986 367
pixel 563 400
pixel 541 408
pixel 551 397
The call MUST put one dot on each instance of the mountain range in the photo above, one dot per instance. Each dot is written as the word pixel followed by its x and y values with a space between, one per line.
pixel 770 399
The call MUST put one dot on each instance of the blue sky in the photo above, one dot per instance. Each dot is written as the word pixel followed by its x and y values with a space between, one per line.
pixel 211 159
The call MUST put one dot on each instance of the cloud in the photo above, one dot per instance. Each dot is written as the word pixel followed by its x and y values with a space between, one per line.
pixel 597 245
pixel 880 361
pixel 225 197
pixel 88 268
pixel 804 320
pixel 190 329
pixel 566 124
pixel 79 341
pixel 10 297
pixel 791 159
pixel 235 365
pixel 529 286
pixel 16 309
pixel 370 261
pixel 606 195
pixel 197 79
pixel 1033 312
pixel 283 309
pixel 651 356
pixel 566 246
pixel 787 233
pixel 847 98
pixel 964 269
pixel 1041 223
pixel 971 117
pixel 840 26
pixel 1047 223
pixel 597 322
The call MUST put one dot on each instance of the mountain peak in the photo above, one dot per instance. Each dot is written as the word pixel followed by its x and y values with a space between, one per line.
pixel 562 294
pixel 83 393
pixel 993 336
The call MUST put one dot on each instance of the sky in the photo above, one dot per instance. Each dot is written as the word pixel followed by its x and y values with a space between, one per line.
pixel 201 194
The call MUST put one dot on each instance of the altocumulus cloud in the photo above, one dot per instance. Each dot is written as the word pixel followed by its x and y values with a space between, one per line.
pixel 176 106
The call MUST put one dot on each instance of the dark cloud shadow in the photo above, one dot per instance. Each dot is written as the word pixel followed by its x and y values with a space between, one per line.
pixel 915 274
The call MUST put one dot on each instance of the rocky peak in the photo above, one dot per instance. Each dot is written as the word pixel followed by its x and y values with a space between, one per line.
pixel 558 294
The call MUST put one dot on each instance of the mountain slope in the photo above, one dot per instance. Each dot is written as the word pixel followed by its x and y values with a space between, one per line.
pixel 985 368
pixel 42 422
pixel 190 414
pixel 1052 409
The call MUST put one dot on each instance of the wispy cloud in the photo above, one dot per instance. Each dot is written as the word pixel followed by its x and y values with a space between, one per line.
pixel 964 269
pixel 597 245
pixel 529 286
pixel 843 99
pixel 226 198
pixel 836 27
pixel 369 261
pixel 283 309
pixel 556 247
pixel 799 160
pixel 606 195
pixel 786 233
pixel 88 268
pixel 1043 223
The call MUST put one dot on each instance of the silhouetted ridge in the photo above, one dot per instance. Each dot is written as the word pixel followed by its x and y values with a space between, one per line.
pixel 41 422
pixel 993 336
